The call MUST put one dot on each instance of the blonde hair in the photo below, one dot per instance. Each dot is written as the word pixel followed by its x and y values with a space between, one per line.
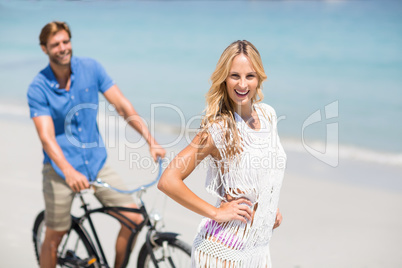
pixel 51 29
pixel 219 106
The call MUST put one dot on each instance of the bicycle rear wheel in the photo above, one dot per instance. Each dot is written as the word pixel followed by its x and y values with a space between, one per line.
pixel 75 250
pixel 168 253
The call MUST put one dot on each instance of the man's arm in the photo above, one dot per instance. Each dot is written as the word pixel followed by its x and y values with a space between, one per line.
pixel 127 111
pixel 45 128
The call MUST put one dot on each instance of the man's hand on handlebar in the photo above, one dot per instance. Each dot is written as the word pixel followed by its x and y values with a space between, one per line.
pixel 76 180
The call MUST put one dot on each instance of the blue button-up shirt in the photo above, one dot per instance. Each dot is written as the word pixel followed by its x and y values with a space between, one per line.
pixel 74 113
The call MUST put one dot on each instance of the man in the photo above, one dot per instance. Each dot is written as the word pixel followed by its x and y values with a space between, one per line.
pixel 63 101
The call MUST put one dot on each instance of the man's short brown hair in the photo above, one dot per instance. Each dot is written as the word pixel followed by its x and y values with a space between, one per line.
pixel 51 29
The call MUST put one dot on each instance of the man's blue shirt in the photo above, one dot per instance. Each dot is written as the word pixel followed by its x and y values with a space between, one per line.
pixel 74 113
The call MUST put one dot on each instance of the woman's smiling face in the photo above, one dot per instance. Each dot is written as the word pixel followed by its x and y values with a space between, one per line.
pixel 241 82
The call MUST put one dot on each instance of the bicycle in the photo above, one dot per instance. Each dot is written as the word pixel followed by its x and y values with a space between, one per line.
pixel 77 249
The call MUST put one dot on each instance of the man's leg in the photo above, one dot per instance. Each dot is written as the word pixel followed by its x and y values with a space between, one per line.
pixel 124 234
pixel 48 252
pixel 111 198
pixel 58 199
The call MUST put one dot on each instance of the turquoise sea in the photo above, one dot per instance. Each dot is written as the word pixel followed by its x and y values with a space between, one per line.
pixel 163 52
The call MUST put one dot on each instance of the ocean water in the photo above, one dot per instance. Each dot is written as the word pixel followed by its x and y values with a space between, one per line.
pixel 346 55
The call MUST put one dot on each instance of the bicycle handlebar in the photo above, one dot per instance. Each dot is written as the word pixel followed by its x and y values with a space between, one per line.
pixel 99 182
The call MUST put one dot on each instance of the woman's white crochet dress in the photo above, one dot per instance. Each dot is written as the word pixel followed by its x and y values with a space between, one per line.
pixel 255 173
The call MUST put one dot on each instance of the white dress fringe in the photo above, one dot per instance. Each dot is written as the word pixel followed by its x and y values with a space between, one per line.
pixel 255 173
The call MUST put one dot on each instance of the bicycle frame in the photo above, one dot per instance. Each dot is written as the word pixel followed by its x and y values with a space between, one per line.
pixel 100 255
pixel 153 239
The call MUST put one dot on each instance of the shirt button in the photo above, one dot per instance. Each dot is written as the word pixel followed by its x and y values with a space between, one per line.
pixel 83 146
pixel 87 90
pixel 35 114
pixel 57 85
pixel 86 162
pixel 76 113
pixel 72 97
pixel 79 129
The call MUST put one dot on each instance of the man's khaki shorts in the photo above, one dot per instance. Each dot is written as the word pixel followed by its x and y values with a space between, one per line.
pixel 59 196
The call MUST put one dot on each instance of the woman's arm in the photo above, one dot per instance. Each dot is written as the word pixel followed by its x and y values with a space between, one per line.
pixel 171 183
pixel 278 219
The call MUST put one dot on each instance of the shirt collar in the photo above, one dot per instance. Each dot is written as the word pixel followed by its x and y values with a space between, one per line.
pixel 54 85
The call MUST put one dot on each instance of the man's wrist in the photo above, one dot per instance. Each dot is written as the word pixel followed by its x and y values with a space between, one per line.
pixel 152 142
pixel 67 169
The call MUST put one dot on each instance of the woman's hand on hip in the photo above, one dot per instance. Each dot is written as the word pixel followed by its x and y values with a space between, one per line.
pixel 238 209
pixel 278 219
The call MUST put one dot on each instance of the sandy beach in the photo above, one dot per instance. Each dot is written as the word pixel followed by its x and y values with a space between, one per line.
pixel 349 216
pixel 333 75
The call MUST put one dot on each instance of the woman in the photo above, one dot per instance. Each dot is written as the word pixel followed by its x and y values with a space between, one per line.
pixel 246 166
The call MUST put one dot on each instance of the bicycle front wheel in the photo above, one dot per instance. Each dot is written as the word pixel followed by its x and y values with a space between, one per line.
pixel 168 253
pixel 75 250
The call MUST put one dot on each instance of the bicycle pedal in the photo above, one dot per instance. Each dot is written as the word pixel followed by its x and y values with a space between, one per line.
pixel 91 261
